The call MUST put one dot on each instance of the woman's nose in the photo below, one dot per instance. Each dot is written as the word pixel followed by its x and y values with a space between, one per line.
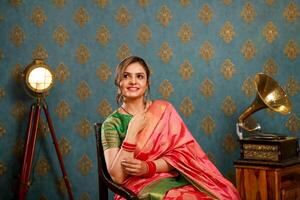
pixel 133 80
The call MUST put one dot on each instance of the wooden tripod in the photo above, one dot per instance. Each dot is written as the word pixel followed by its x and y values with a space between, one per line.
pixel 31 135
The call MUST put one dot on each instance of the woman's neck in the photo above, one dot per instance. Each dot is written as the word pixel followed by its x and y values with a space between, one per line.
pixel 133 107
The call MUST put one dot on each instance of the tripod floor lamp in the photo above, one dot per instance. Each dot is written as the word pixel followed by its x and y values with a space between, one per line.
pixel 38 79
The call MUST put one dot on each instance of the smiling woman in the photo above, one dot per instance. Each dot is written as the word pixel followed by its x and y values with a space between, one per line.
pixel 149 149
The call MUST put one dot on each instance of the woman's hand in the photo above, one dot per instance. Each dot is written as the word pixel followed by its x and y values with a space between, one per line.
pixel 136 124
pixel 134 167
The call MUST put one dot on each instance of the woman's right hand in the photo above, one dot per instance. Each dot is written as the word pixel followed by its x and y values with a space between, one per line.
pixel 136 124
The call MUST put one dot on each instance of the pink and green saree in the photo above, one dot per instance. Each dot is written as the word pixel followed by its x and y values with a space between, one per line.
pixel 166 136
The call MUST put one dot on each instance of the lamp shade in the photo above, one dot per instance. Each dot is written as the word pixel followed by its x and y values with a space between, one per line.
pixel 38 77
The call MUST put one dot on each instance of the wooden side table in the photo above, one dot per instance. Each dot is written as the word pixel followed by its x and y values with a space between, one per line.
pixel 257 180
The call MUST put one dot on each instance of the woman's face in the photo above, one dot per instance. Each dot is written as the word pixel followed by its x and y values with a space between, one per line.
pixel 134 84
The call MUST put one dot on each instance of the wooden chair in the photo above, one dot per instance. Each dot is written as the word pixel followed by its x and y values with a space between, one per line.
pixel 105 181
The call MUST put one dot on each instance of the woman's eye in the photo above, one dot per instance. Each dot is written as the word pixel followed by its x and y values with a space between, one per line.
pixel 140 76
pixel 125 76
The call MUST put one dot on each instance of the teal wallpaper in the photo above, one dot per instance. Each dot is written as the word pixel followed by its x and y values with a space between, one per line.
pixel 203 57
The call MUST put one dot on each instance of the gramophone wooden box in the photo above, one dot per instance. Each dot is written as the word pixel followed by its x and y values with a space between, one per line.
pixel 274 150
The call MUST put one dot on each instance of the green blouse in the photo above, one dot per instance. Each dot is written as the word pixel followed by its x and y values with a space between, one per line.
pixel 114 129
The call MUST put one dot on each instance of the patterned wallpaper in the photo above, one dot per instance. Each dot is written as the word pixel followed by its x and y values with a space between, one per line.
pixel 203 57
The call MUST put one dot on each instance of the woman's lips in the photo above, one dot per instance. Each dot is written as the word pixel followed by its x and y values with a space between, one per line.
pixel 132 88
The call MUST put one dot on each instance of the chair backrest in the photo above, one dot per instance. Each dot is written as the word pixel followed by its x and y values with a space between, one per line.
pixel 105 181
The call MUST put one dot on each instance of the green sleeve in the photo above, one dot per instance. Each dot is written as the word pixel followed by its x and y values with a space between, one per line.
pixel 109 135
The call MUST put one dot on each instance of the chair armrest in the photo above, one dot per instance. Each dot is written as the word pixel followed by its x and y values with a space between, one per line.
pixel 103 175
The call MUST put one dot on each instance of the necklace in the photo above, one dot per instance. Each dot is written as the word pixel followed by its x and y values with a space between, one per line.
pixel 126 111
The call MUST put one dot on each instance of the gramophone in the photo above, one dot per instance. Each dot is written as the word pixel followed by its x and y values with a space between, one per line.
pixel 266 146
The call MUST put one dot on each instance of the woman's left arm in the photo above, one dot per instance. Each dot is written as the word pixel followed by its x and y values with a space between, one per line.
pixel 137 167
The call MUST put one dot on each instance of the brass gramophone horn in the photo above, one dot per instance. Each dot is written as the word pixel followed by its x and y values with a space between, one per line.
pixel 269 95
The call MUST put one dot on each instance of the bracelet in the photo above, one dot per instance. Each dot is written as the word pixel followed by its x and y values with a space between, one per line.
pixel 151 169
pixel 128 146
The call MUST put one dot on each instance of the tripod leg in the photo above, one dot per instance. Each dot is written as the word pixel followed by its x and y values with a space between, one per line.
pixel 31 134
pixel 58 152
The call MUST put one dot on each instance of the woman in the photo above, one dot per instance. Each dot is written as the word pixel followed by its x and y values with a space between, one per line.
pixel 149 149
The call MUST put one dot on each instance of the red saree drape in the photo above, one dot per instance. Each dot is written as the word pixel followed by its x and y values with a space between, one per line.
pixel 166 136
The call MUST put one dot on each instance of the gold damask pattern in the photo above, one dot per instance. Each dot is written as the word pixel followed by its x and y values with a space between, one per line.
pixel 102 3
pixel 186 70
pixel 206 14
pixel 1 54
pixel 293 123
pixel 207 88
pixel 2 130
pixel 144 34
pixel 3 169
pixel 62 72
pixel 61 35
pixel 228 69
pixel 59 3
pixel 269 2
pixel 17 36
pixel 83 91
pixel 123 16
pixel 291 12
pixel 42 197
pixel 230 143
pixel 18 148
pixel 248 13
pixel 228 106
pixel 38 16
pixel 166 89
pixel 42 167
pixel 84 128
pixel 16 3
pixel 186 107
pixel 63 110
pixel 270 32
pixel 248 50
pixel 85 196
pixel 165 52
pixel 62 188
pixel 104 108
pixel 103 35
pixel 227 2
pixel 270 67
pixel 64 146
pixel 19 110
pixel 81 17
pixel 207 51
pixel 185 33
pixel 249 87
pixel 164 16
pixel 2 93
pixel 16 73
pixel 227 32
pixel 82 54
pixel 104 72
pixel 123 51
pixel 292 86
pixel 184 3
pixel 43 128
pixel 208 125
pixel 291 50
pixel 40 52
pixel 85 165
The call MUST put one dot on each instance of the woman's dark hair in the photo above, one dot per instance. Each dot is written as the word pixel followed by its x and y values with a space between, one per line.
pixel 120 71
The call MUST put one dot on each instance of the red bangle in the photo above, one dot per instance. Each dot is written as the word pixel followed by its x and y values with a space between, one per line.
pixel 128 147
pixel 151 169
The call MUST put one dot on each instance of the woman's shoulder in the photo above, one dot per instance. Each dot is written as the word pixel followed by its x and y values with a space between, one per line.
pixel 162 102
pixel 111 118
